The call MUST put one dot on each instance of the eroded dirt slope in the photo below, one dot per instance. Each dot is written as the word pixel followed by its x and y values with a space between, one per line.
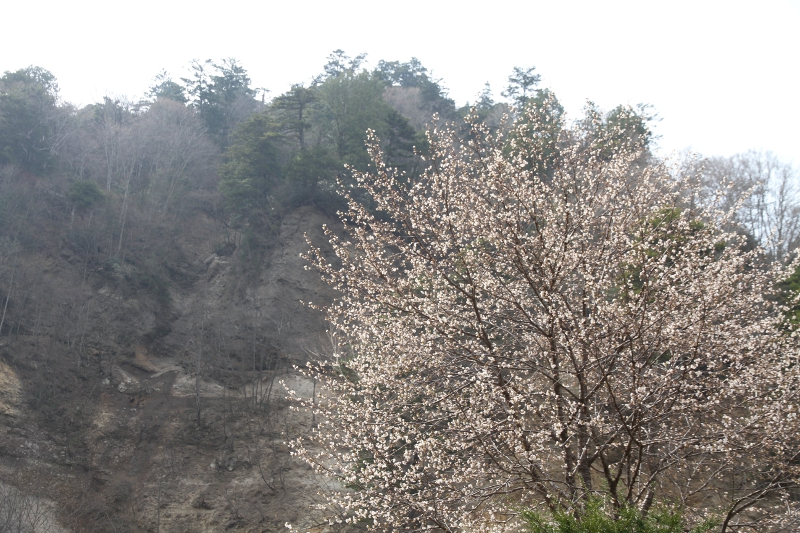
pixel 157 407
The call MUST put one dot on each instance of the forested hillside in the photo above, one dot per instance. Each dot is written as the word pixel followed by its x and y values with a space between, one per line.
pixel 153 298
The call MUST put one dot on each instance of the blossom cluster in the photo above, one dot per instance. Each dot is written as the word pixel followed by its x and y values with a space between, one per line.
pixel 546 315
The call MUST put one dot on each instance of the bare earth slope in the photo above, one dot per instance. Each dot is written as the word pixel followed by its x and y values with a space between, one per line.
pixel 136 407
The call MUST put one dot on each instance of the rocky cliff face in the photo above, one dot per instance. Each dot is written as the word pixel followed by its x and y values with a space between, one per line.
pixel 133 401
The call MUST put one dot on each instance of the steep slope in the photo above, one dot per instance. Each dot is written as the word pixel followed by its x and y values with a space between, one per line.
pixel 142 401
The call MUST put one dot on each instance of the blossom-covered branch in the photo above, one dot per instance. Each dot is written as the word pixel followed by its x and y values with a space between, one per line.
pixel 542 318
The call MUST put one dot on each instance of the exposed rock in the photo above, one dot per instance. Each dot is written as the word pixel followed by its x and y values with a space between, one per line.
pixel 10 388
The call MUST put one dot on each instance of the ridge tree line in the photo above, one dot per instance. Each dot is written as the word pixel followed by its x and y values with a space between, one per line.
pixel 214 130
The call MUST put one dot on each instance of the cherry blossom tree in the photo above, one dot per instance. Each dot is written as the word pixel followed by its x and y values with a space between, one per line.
pixel 521 328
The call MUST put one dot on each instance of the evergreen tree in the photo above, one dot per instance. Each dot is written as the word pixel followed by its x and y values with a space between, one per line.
pixel 294 106
pixel 251 173
pixel 165 87
pixel 485 101
pixel 522 85
pixel 222 94
pixel 28 99
pixel 412 74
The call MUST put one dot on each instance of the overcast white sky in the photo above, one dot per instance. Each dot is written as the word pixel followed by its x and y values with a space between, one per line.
pixel 722 75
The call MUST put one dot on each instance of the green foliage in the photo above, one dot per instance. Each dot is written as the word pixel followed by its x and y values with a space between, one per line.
pixel 539 138
pixel 354 102
pixel 485 100
pixel 631 126
pixel 522 86
pixel 398 142
pixel 293 153
pixel 340 63
pixel 28 99
pixel 293 107
pixel 311 179
pixel 251 171
pixel 111 112
pixel 222 94
pixel 789 292
pixel 596 517
pixel 166 88
pixel 413 74
pixel 624 127
pixel 84 194
pixel 409 74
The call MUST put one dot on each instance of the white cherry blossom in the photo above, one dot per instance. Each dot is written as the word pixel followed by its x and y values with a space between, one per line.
pixel 528 326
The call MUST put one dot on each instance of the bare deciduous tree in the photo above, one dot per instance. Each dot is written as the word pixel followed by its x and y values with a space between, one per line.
pixel 764 191
pixel 21 513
